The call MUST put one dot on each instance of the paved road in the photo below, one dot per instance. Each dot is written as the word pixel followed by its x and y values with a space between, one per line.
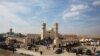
pixel 29 52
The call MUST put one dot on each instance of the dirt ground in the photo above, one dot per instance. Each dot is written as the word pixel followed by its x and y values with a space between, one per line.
pixel 46 52
pixel 7 53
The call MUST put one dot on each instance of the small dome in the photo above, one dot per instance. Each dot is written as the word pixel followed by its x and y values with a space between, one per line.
pixel 50 29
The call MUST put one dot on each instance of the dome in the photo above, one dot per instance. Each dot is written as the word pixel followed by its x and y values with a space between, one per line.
pixel 50 29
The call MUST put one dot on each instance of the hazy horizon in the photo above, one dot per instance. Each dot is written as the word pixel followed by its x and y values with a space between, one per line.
pixel 81 17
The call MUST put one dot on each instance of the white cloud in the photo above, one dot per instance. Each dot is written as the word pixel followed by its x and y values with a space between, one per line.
pixel 70 14
pixel 96 2
pixel 9 17
pixel 79 7
pixel 12 14
pixel 74 10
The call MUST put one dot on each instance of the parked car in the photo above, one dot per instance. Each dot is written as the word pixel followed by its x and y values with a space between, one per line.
pixel 11 48
pixel 58 51
pixel 88 52
pixel 80 50
pixel 74 49
pixel 98 53
pixel 29 47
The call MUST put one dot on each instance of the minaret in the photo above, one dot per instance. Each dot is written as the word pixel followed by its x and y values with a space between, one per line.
pixel 11 30
pixel 56 37
pixel 55 27
pixel 43 30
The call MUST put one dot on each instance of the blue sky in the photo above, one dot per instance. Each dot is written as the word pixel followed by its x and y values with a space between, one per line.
pixel 74 16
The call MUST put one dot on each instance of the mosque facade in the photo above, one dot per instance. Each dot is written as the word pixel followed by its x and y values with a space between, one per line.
pixel 52 33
